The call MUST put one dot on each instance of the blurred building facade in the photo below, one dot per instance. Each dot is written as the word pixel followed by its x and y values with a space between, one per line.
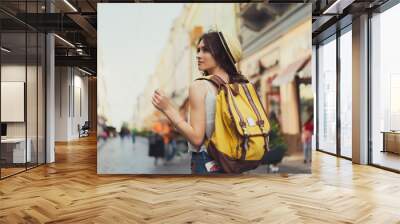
pixel 276 41
pixel 177 66
pixel 102 108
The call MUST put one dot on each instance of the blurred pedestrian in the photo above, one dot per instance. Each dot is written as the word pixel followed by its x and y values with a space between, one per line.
pixel 307 131
pixel 171 147
pixel 133 136
pixel 156 147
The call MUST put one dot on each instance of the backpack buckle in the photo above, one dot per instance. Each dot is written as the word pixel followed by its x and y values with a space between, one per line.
pixel 263 130
pixel 261 125
pixel 245 131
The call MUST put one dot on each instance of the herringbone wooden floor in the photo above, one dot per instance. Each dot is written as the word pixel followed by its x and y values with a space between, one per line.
pixel 70 191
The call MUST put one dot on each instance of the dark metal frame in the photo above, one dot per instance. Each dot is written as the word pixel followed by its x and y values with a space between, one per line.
pixel 37 91
pixel 73 91
pixel 45 90
pixel 317 91
pixel 338 97
pixel 316 116
pixel 26 88
pixel 0 92
pixel 339 32
pixel 369 78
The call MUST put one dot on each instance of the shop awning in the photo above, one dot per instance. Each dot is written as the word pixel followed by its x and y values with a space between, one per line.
pixel 306 71
pixel 267 72
pixel 287 74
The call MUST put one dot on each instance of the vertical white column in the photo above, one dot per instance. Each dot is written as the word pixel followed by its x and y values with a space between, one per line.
pixel 360 90
pixel 50 93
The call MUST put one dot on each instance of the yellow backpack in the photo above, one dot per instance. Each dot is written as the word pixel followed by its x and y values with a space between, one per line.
pixel 241 134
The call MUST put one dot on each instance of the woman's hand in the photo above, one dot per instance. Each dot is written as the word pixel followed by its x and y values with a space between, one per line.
pixel 161 101
pixel 194 130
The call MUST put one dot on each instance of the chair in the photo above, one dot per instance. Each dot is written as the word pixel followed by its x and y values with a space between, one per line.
pixel 84 130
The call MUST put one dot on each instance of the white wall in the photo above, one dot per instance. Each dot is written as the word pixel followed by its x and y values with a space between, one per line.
pixel 16 73
pixel 71 93
pixel 61 103
pixel 10 73
pixel 33 126
pixel 80 100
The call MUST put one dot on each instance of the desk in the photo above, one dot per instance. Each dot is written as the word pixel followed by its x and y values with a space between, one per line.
pixel 16 151
pixel 391 141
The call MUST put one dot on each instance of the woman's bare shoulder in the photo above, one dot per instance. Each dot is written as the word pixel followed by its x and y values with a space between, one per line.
pixel 198 88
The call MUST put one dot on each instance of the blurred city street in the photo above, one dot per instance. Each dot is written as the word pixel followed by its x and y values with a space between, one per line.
pixel 122 156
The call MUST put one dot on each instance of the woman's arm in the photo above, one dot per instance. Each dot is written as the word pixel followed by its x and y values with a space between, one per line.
pixel 193 131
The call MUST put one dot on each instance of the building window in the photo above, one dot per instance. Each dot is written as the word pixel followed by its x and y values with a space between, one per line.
pixel 327 95
pixel 346 93
pixel 385 89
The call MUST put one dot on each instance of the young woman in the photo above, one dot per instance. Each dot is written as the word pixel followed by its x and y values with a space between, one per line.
pixel 217 54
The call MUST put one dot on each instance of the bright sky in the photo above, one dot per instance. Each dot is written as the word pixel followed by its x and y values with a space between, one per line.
pixel 131 37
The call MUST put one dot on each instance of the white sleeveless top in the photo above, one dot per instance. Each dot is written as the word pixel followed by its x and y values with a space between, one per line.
pixel 210 116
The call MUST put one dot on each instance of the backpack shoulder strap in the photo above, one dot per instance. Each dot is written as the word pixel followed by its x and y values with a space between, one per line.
pixel 215 80
pixel 218 79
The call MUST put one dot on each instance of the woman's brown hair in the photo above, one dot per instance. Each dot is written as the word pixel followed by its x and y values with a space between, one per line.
pixel 213 43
